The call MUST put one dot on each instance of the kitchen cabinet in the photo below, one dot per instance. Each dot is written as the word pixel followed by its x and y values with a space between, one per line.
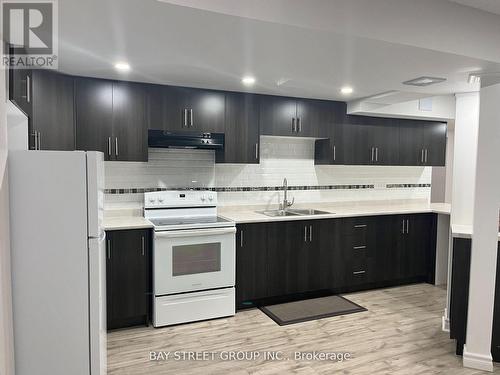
pixel 495 338
pixel 330 150
pixel 128 277
pixel 251 263
pixel 241 130
pixel 52 123
pixel 20 86
pixel 371 141
pixel 187 109
pixel 422 143
pixel 129 124
pixel 111 117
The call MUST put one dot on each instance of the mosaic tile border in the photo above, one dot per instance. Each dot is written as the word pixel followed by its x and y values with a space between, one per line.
pixel 398 186
pixel 240 189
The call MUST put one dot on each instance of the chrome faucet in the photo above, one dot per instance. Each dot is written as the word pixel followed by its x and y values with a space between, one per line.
pixel 286 203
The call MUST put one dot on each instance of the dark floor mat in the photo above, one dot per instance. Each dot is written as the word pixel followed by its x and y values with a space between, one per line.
pixel 310 309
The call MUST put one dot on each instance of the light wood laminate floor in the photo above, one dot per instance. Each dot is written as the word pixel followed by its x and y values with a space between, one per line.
pixel 399 334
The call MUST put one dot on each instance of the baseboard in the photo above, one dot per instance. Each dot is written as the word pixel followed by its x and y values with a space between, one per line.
pixel 477 361
pixel 445 323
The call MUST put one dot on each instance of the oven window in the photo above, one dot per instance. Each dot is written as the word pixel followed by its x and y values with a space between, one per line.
pixel 193 259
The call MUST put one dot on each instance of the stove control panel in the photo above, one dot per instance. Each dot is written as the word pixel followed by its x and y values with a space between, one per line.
pixel 180 198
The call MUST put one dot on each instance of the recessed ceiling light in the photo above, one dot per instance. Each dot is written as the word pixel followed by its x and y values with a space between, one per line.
pixel 248 80
pixel 424 81
pixel 346 90
pixel 122 66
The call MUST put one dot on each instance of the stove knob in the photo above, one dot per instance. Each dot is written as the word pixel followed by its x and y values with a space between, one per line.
pixel 210 198
pixel 151 200
pixel 203 198
pixel 160 200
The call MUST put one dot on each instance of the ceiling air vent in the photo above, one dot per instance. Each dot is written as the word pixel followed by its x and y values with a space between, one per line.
pixel 424 81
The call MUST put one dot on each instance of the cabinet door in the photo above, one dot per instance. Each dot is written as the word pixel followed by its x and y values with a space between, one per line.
pixel 417 244
pixel 495 339
pixel 94 115
pixel 20 86
pixel 315 117
pixel 278 116
pixel 130 140
pixel 389 233
pixel 205 110
pixel 251 263
pixel 53 110
pixel 286 257
pixel 359 146
pixel 241 135
pixel 324 236
pixel 331 149
pixel 385 135
pixel 128 278
pixel 411 142
pixel 435 143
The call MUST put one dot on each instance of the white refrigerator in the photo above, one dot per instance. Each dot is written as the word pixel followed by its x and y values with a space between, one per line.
pixel 58 262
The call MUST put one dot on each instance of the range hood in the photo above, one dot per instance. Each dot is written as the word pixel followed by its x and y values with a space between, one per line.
pixel 193 140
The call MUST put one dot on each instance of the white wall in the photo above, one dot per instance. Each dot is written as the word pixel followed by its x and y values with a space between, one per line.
pixel 6 334
pixel 280 157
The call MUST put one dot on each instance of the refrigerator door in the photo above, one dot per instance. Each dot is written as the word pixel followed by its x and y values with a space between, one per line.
pixel 95 192
pixel 49 247
pixel 97 308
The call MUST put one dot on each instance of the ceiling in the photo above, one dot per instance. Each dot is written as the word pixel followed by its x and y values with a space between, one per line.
pixel 492 6
pixel 173 44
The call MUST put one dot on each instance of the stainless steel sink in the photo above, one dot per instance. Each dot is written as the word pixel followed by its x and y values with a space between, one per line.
pixel 274 213
pixel 294 212
pixel 308 211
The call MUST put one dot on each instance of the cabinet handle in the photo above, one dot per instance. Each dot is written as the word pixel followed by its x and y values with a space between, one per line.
pixel 359 247
pixel 425 156
pixel 109 146
pixel 185 118
pixel 142 243
pixel 191 117
pixel 109 249
pixel 241 238
pixel 334 153
pixel 376 153
pixel 35 135
pixel 299 127
pixel 310 233
pixel 403 231
pixel 293 124
pixel 39 140
pixel 28 89
pixel 373 149
pixel 257 151
pixel 422 156
pixel 305 233
pixel 360 226
pixel 116 146
pixel 407 225
pixel 359 272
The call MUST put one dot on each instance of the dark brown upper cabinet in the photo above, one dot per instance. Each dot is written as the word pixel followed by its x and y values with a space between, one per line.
pixel 330 150
pixel 422 143
pixel 241 131
pixel 186 109
pixel 20 85
pixel 283 116
pixel 52 123
pixel 94 115
pixel 111 117
pixel 371 141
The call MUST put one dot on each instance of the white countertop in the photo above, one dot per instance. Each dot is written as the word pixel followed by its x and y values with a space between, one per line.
pixel 248 214
pixel 125 219
pixel 463 231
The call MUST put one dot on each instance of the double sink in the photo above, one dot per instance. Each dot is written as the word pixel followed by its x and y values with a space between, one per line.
pixel 294 212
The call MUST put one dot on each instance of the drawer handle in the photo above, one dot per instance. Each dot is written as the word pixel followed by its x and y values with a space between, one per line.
pixel 359 247
pixel 358 272
pixel 360 226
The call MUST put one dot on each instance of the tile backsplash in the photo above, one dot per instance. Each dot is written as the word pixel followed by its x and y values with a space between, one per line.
pixel 237 184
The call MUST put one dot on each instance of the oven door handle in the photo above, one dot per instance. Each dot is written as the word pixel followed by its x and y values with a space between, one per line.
pixel 195 232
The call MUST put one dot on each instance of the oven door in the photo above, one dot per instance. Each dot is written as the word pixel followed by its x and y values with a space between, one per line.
pixel 198 259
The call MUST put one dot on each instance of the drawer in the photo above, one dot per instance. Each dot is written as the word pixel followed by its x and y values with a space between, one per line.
pixel 190 307
pixel 357 226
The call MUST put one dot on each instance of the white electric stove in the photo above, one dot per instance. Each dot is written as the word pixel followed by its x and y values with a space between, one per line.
pixel 193 257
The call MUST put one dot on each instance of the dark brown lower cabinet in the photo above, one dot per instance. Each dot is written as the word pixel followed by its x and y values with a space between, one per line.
pixel 128 277
pixel 292 258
